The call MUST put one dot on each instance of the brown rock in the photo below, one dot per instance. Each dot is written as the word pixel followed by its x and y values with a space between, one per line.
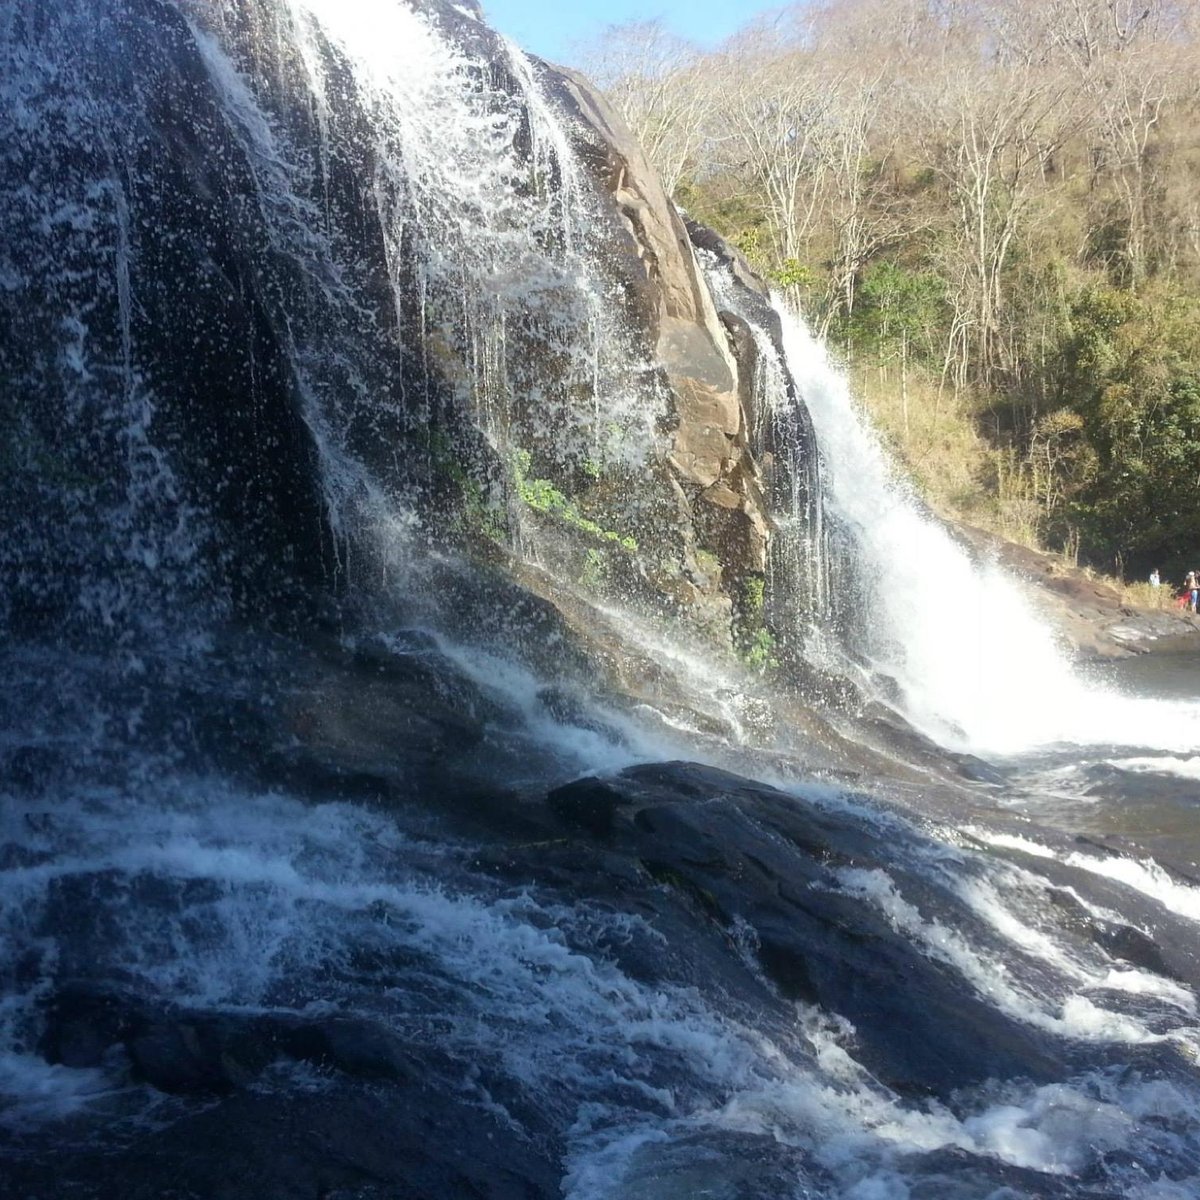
pixel 709 453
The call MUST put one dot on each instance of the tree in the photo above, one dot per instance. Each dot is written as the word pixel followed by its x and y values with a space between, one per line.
pixel 1133 375
pixel 1130 60
pixel 989 136
pixel 774 118
pixel 657 82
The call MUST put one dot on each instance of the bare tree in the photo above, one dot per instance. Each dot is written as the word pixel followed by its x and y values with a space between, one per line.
pixel 863 210
pixel 988 134
pixel 775 120
pixel 1127 56
pixel 658 82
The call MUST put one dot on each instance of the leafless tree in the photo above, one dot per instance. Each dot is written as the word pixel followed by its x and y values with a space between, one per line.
pixel 776 118
pixel 659 84
pixel 988 135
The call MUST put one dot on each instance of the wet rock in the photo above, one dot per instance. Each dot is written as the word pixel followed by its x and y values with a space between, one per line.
pixel 366 1141
pixel 196 1052
pixel 971 766
pixel 952 1172
pixel 197 1055
pixel 590 805
pixel 84 1020
pixel 354 1046
pixel 1139 787
pixel 768 862
pixel 720 504
pixel 725 1165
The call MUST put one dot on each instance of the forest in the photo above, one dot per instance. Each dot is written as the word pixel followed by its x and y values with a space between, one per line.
pixel 991 209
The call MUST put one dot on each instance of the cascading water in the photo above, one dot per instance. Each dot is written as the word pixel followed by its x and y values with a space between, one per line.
pixel 486 230
pixel 298 899
pixel 798 565
pixel 975 665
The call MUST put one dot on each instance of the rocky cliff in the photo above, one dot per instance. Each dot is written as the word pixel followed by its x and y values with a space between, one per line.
pixel 281 312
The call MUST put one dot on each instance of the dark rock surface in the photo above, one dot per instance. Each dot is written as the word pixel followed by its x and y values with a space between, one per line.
pixel 752 897
pixel 748 853
pixel 367 1141
pixel 227 471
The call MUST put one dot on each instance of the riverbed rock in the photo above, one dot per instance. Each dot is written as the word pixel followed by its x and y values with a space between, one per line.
pixel 756 859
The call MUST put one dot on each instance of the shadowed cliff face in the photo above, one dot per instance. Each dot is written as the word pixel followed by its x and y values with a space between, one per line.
pixel 239 292
pixel 153 426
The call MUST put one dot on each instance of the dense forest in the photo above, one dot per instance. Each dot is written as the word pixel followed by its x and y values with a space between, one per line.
pixel 992 209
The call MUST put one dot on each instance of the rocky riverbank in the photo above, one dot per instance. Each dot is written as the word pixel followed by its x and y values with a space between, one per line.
pixel 1090 613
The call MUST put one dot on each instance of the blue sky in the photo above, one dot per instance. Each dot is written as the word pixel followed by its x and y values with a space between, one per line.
pixel 549 27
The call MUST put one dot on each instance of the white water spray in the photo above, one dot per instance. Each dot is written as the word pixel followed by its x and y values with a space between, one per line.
pixel 798 568
pixel 976 667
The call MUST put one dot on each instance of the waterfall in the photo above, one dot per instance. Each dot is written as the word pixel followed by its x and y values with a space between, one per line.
pixel 486 228
pixel 798 578
pixel 310 883
pixel 976 666
pixel 505 347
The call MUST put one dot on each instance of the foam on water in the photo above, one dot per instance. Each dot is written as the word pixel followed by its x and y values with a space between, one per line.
pixel 33 1091
pixel 1181 768
pixel 290 893
pixel 1142 875
pixel 868 1145
pixel 977 668
pixel 1147 877
pixel 1055 1009
pixel 1009 841
pixel 1014 902
pixel 614 744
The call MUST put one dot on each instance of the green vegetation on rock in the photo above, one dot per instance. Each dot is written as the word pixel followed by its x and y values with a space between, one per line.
pixel 754 641
pixel 542 496
pixel 757 651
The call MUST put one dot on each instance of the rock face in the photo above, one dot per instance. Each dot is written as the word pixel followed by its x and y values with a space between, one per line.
pixel 714 474
pixel 750 857
pixel 781 437
pixel 317 376
pixel 689 342
pixel 152 421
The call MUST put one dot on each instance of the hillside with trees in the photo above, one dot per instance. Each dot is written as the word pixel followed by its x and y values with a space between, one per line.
pixel 992 209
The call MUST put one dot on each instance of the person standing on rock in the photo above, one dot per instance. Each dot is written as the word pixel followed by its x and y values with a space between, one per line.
pixel 1193 590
